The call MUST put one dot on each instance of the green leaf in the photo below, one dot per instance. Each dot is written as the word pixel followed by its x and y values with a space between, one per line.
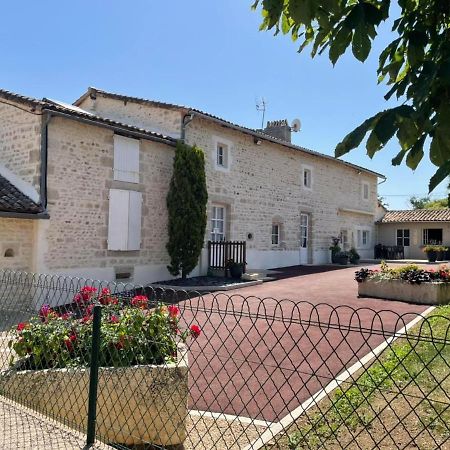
pixel 373 144
pixel 361 43
pixel 440 175
pixel 354 138
pixel 386 126
pixel 355 17
pixel 397 160
pixel 301 11
pixel 372 14
pixel 340 43
pixel 415 155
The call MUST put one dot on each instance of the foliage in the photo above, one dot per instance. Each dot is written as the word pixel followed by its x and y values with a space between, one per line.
pixel 415 66
pixel 131 333
pixel 335 248
pixel 353 255
pixel 410 273
pixel 427 203
pixel 186 205
pixel 434 248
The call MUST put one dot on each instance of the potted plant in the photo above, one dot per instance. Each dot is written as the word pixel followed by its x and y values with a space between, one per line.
pixel 335 249
pixel 342 258
pixel 441 252
pixel 353 256
pixel 235 269
pixel 140 347
pixel 432 252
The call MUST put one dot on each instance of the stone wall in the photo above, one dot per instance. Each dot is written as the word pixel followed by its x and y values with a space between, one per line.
pixel 16 242
pixel 162 120
pixel 264 183
pixel 20 134
pixel 80 174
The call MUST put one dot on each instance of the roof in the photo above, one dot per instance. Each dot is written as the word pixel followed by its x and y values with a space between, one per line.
pixel 71 111
pixel 416 215
pixel 186 109
pixel 15 201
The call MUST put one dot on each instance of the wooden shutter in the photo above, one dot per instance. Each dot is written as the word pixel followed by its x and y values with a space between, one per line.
pixel 124 224
pixel 126 159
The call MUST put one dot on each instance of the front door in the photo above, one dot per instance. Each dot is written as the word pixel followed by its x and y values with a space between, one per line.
pixel 403 239
pixel 304 238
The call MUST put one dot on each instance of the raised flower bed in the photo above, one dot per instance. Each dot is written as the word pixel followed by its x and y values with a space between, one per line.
pixel 143 376
pixel 408 284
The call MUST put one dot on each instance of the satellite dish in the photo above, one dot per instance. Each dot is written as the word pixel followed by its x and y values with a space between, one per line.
pixel 296 125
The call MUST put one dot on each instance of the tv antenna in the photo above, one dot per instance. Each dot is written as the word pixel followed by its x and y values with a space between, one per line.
pixel 261 106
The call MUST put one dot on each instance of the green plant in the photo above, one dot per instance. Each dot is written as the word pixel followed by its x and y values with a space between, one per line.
pixel 353 255
pixel 431 248
pixel 132 334
pixel 186 205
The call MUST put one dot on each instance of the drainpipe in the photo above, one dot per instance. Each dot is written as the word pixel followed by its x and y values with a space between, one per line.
pixel 187 119
pixel 44 158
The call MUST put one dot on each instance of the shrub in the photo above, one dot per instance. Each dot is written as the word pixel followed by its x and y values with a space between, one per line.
pixel 186 205
pixel 131 333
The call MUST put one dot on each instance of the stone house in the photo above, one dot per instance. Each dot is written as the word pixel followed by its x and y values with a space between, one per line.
pixel 83 188
pixel 414 229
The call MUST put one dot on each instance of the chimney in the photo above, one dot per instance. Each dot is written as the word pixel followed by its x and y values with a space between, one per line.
pixel 279 129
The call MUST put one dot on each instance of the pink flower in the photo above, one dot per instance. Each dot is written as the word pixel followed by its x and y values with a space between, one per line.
pixel 195 331
pixel 174 311
pixel 46 313
pixel 66 316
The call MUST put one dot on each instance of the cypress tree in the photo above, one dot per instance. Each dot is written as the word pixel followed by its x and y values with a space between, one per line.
pixel 186 205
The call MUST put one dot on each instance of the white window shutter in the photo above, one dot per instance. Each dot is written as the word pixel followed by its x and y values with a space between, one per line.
pixel 126 159
pixel 124 224
pixel 134 220
pixel 118 219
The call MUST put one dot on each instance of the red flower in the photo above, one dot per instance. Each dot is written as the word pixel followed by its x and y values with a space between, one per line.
pixel 66 316
pixel 69 341
pixel 139 301
pixel 174 311
pixel 21 326
pixel 85 295
pixel 114 319
pixel 195 331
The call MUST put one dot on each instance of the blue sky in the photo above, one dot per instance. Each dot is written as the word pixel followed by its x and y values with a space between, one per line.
pixel 208 55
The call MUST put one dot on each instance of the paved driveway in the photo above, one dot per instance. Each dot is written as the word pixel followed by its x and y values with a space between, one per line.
pixel 262 359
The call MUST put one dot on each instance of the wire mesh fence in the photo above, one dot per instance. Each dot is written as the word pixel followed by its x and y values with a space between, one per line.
pixel 182 370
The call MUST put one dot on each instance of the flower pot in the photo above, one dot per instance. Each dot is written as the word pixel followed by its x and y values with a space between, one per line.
pixel 432 256
pixel 147 403
pixel 354 260
pixel 236 270
pixel 342 260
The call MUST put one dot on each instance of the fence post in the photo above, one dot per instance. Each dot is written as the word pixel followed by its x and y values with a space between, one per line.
pixel 93 375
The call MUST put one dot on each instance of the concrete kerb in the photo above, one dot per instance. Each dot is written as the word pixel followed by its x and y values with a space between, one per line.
pixel 290 418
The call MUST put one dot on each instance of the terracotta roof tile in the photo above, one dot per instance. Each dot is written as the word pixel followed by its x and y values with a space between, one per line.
pixel 417 215
pixel 14 200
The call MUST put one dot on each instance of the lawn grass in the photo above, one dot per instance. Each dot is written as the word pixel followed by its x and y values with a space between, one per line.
pixel 401 401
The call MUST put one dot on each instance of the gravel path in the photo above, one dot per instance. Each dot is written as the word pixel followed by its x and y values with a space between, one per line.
pixel 24 429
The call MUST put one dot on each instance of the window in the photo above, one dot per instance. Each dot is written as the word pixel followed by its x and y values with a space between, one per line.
pixel 218 223
pixel 307 178
pixel 403 238
pixel 126 159
pixel 275 234
pixel 363 238
pixel 365 191
pixel 432 236
pixel 222 155
pixel 124 225
pixel 303 230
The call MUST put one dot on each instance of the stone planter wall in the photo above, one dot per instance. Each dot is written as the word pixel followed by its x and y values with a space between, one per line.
pixel 135 405
pixel 426 293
